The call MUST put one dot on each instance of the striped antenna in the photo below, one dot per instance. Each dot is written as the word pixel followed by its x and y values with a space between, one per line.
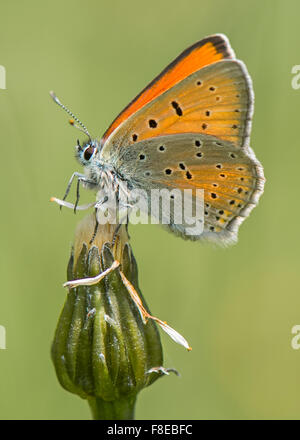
pixel 83 129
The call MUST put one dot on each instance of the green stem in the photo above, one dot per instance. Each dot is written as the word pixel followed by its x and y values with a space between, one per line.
pixel 122 409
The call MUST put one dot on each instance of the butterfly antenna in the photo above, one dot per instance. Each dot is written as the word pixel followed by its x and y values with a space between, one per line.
pixel 74 118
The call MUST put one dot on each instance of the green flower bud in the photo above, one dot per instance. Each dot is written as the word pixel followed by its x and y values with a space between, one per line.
pixel 103 350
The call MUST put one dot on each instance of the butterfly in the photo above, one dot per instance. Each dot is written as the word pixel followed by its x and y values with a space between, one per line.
pixel 188 129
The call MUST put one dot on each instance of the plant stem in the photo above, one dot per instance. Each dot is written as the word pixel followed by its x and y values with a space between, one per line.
pixel 121 409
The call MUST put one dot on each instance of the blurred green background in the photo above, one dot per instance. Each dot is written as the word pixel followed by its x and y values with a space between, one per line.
pixel 235 306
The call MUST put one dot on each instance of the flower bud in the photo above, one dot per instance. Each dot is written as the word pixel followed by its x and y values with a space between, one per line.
pixel 103 349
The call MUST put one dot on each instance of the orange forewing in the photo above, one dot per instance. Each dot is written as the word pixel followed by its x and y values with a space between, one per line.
pixel 215 100
pixel 201 54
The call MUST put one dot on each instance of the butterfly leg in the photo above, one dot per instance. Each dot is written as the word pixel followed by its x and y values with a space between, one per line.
pixel 98 204
pixel 120 224
pixel 77 195
pixel 81 178
pixel 96 227
pixel 127 226
pixel 116 231
pixel 76 174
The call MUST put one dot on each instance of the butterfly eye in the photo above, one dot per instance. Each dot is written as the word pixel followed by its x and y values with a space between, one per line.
pixel 88 153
